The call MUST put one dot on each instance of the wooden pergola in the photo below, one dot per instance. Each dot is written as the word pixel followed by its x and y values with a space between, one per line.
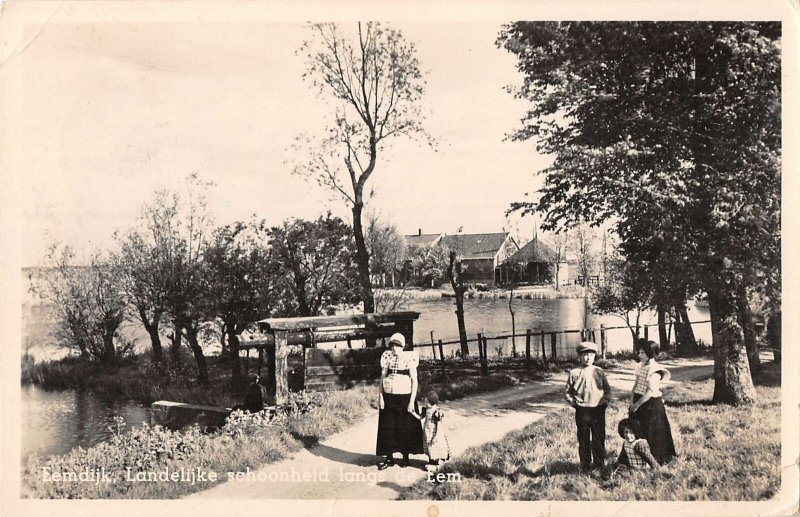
pixel 327 369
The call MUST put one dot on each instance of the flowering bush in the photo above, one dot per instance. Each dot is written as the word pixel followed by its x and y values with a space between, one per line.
pixel 240 423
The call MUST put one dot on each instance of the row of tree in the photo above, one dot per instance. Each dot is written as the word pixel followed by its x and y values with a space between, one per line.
pixel 177 275
pixel 671 133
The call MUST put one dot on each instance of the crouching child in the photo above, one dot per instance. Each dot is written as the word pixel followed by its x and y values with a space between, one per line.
pixel 588 392
pixel 635 452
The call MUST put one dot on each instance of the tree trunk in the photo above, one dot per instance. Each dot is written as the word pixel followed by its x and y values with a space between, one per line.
pixel 362 258
pixel 233 344
pixel 748 329
pixel 200 359
pixel 513 325
pixel 223 341
pixel 558 284
pixel 108 347
pixel 175 347
pixel 773 334
pixel 663 340
pixel 458 288
pixel 732 380
pixel 155 341
pixel 152 331
pixel 683 331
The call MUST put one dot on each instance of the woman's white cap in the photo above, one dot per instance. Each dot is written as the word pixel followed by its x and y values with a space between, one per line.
pixel 398 338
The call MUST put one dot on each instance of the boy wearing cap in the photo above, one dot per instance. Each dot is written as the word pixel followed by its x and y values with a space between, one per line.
pixel 588 392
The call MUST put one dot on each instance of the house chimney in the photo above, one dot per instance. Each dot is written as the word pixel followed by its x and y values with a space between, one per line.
pixel 420 232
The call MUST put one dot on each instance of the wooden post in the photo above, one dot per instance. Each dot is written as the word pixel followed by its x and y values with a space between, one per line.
pixel 271 370
pixel 260 360
pixel 441 356
pixel 603 342
pixel 646 336
pixel 433 348
pixel 482 342
pixel 528 348
pixel 544 354
pixel 246 362
pixel 480 347
pixel 553 352
pixel 281 368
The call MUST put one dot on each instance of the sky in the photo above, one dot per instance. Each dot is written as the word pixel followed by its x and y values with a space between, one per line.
pixel 114 111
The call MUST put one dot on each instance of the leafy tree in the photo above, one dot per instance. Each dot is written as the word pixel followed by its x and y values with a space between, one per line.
pixel 672 129
pixel 377 86
pixel 244 279
pixel 146 258
pixel 190 302
pixel 387 250
pixel 87 302
pixel 318 264
pixel 431 263
pixel 626 293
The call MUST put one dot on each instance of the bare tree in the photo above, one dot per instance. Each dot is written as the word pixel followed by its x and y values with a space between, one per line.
pixel 377 86
pixel 559 244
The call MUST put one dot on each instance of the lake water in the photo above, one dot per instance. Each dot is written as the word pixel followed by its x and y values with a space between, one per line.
pixel 55 422
pixel 538 315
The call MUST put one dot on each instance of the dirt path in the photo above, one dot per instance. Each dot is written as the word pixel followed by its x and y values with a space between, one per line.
pixel 343 466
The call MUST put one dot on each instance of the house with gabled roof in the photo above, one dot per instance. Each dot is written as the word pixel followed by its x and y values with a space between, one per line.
pixel 417 243
pixel 481 255
pixel 423 239
pixel 535 263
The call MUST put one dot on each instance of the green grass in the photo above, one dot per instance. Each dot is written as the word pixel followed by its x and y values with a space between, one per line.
pixel 725 453
pixel 246 443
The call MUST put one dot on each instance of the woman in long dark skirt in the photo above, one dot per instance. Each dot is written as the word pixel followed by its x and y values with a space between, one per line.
pixel 646 405
pixel 398 430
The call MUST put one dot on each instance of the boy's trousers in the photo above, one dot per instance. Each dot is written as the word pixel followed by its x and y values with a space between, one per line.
pixel 591 422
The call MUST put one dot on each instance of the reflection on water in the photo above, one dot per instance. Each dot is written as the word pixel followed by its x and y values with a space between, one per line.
pixel 559 314
pixel 53 422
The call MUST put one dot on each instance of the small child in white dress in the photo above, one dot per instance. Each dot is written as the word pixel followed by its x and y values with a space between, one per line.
pixel 435 441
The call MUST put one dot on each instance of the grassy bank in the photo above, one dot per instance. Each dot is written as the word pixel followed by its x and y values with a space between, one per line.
pixel 246 442
pixel 138 378
pixel 725 453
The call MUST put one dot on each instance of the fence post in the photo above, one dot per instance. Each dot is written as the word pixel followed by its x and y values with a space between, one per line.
pixel 544 355
pixel 528 348
pixel 482 351
pixel 441 355
pixel 646 336
pixel 603 341
pixel 433 348
pixel 485 365
pixel 553 352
